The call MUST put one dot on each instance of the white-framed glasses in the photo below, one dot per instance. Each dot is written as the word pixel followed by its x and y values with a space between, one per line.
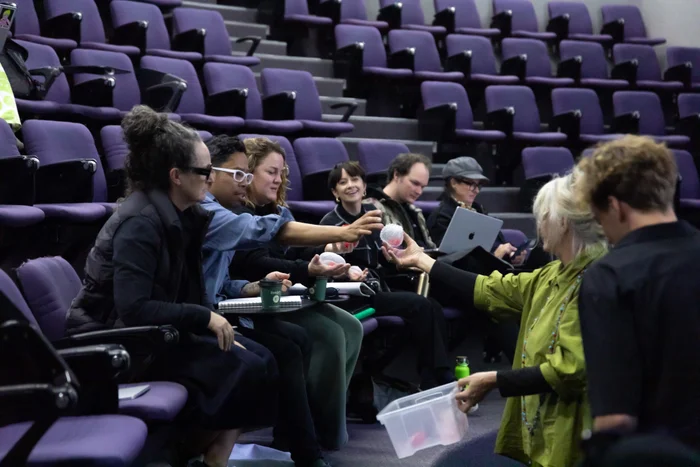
pixel 238 175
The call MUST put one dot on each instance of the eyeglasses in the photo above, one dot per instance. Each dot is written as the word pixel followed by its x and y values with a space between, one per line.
pixel 205 171
pixel 470 183
pixel 238 175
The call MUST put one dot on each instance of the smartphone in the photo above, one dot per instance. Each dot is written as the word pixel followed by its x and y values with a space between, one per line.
pixel 527 246
pixel 132 392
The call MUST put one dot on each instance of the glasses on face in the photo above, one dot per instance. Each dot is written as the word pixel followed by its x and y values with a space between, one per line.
pixel 474 186
pixel 238 175
pixel 205 171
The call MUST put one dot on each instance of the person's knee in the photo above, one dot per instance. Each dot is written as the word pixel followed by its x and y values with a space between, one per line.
pixel 258 358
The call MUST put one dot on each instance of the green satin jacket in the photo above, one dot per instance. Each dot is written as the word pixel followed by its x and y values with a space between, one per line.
pixel 544 429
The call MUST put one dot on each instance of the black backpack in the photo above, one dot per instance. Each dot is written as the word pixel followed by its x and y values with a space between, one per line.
pixel 13 59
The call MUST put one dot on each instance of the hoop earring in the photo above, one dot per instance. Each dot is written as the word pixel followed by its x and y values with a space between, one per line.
pixel 364 194
pixel 337 200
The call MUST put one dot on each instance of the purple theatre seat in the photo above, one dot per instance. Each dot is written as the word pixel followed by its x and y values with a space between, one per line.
pixel 297 11
pixel 640 112
pixel 232 89
pixel 58 103
pixel 407 14
pixel 316 158
pixel 295 195
pixel 689 116
pixel 215 46
pixel 427 206
pixel 639 65
pixel 529 60
pixel 128 21
pixel 20 216
pixel 292 95
pixel 50 284
pixel 461 17
pixel 592 68
pixel 88 32
pixel 374 60
pixel 452 313
pixel 165 3
pixel 518 19
pixel 420 47
pixel 538 162
pixel 475 54
pixel 390 321
pixel 369 326
pixel 447 115
pixel 625 24
pixel 192 107
pixel 690 183
pixel 26 28
pixel 375 156
pixel 350 12
pixel 61 142
pixel 514 107
pixel 577 113
pixel 514 237
pixel 684 65
pixel 571 20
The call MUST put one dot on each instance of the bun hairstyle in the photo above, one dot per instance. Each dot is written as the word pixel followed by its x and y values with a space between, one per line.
pixel 156 145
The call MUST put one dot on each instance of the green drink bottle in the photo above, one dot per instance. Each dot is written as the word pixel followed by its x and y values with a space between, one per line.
pixel 462 368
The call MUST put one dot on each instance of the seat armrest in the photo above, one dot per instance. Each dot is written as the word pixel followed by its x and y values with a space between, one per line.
pixel 461 62
pixel 689 126
pixel 18 180
pixel 626 123
pixel 559 25
pixel 503 22
pixel 446 19
pixel 568 123
pixel 348 61
pixel 66 182
pixel 616 29
pixel 255 42
pixel 280 106
pixel 49 73
pixel 350 107
pixel 626 71
pixel 226 103
pixel 570 68
pixel 160 91
pixel 330 9
pixel 501 120
pixel 190 41
pixel 405 58
pixel 516 66
pixel 438 123
pixel 94 70
pixel 65 26
pixel 95 93
pixel 134 33
pixel 391 14
pixel 682 73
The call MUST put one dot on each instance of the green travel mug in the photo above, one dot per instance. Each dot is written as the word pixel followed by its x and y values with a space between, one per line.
pixel 318 291
pixel 462 368
pixel 270 294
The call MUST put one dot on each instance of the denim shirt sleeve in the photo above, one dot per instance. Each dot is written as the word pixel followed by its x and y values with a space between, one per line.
pixel 233 288
pixel 229 231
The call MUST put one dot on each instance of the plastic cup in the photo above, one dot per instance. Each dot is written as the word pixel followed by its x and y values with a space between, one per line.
pixel 270 294
pixel 392 234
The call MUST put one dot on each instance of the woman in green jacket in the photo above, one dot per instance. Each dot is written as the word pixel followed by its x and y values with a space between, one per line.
pixel 547 408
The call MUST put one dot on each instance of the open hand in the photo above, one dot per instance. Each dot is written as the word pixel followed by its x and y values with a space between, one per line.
pixel 318 269
pixel 355 276
pixel 363 226
pixel 223 330
pixel 408 258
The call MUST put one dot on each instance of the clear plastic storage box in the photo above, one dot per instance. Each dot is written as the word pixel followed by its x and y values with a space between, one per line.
pixel 423 420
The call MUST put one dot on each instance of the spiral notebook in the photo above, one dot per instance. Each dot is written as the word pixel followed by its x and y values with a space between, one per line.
pixel 290 301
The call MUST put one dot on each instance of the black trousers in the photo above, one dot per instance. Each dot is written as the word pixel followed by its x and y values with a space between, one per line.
pixel 427 326
pixel 291 348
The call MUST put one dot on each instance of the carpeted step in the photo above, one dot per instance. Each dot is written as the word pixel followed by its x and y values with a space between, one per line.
pixel 327 102
pixel 326 86
pixel 318 67
pixel 265 47
pixel 381 127
pixel 421 147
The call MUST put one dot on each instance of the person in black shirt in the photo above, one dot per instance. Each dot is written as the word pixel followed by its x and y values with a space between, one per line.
pixel 640 305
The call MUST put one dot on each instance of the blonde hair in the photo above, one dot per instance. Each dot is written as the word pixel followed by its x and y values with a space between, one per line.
pixel 557 207
pixel 257 150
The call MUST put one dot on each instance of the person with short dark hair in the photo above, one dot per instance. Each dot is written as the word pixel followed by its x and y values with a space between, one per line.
pixel 640 305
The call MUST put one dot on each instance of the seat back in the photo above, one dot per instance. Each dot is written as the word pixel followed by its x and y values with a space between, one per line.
pixel 541 161
pixel 8 141
pixel 216 40
pixel 221 77
pixel 307 105
pixel 690 183
pixel 538 63
pixel 648 104
pixel 54 142
pixel 438 93
pixel 353 9
pixel 126 93
pixel 648 68
pixel 593 65
pixel 427 57
pixel 466 12
pixel 91 28
pixel 373 52
pixel 579 18
pixel 375 155
pixel 688 104
pixel 12 292
pixel 483 59
pixel 411 11
pixel 40 56
pixel 294 190
pixel 50 284
pixel 125 12
pixel 296 7
pixel 26 19
pixel 634 24
pixel 524 17
pixel 193 98
pixel 113 146
pixel 584 100
pixel 514 237
pixel 316 157
pixel 527 117
pixel 681 55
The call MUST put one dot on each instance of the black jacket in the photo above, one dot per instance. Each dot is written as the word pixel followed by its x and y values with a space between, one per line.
pixel 133 274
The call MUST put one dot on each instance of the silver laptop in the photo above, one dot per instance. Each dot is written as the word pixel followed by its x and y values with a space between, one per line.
pixel 469 229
